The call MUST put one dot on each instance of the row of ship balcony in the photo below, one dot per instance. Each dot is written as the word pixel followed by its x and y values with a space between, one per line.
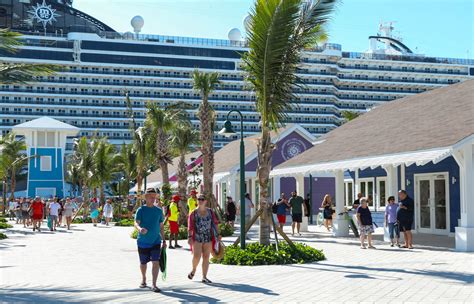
pixel 188 86
pixel 241 78
pixel 249 118
pixel 336 103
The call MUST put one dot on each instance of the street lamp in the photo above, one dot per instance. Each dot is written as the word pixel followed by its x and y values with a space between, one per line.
pixel 228 131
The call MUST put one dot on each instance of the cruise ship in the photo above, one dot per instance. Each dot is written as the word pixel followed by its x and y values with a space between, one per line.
pixel 98 64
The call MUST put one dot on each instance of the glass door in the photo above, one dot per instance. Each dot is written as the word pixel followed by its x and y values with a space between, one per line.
pixel 432 203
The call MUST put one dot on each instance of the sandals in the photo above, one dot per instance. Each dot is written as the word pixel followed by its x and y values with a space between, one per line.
pixel 206 281
pixel 156 289
pixel 191 275
pixel 143 285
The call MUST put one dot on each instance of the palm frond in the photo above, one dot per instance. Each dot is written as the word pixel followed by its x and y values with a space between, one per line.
pixel 9 41
pixel 22 73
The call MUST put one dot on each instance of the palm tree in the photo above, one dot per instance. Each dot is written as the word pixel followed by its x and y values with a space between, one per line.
pixel 127 163
pixel 105 161
pixel 205 83
pixel 73 177
pixel 18 72
pixel 162 122
pixel 13 158
pixel 279 30
pixel 182 140
pixel 82 158
pixel 349 115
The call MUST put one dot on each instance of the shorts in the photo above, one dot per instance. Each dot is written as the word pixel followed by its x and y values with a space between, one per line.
pixel 393 230
pixel 327 214
pixel 53 218
pixel 25 215
pixel 366 229
pixel 149 254
pixel 231 217
pixel 94 214
pixel 297 218
pixel 174 228
pixel 405 225
pixel 37 216
pixel 281 218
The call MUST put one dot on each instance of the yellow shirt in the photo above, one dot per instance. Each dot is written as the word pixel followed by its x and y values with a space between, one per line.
pixel 173 212
pixel 192 204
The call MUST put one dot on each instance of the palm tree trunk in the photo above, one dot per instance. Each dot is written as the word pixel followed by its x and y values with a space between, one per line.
pixel 265 147
pixel 13 185
pixel 206 117
pixel 182 185
pixel 85 194
pixel 101 193
pixel 162 150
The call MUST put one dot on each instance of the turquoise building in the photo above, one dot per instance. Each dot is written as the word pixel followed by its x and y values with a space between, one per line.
pixel 45 139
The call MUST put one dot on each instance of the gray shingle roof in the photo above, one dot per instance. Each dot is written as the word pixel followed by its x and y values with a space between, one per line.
pixel 433 119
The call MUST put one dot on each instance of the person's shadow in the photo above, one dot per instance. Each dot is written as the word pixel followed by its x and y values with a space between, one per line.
pixel 186 296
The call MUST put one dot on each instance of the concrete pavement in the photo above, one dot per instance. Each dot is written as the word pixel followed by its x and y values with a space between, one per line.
pixel 96 264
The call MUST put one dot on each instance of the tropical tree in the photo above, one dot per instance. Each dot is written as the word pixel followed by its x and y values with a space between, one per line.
pixel 182 140
pixel 278 32
pixel 349 115
pixel 162 122
pixel 127 163
pixel 82 159
pixel 73 176
pixel 105 160
pixel 205 83
pixel 18 72
pixel 13 158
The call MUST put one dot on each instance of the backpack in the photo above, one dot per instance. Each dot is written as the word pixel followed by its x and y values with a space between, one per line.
pixel 275 207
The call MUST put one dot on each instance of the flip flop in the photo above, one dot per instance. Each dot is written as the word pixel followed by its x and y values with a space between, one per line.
pixel 143 285
pixel 191 275
pixel 206 281
pixel 156 289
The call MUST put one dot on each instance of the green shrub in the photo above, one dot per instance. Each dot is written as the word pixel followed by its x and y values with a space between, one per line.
pixel 3 220
pixel 5 225
pixel 3 236
pixel 225 230
pixel 256 254
pixel 80 220
pixel 125 223
pixel 182 235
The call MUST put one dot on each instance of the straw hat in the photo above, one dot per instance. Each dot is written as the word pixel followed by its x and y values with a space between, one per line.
pixel 219 254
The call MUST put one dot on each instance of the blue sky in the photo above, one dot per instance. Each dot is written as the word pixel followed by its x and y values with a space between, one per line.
pixel 442 28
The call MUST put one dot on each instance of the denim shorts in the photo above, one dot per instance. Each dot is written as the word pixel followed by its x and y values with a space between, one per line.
pixel 393 230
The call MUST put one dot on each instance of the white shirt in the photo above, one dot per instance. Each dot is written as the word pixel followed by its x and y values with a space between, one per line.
pixel 248 206
pixel 54 208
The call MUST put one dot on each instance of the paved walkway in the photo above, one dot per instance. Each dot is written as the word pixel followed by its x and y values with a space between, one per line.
pixel 92 264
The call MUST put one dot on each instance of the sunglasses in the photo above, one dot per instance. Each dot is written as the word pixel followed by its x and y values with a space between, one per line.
pixel 201 199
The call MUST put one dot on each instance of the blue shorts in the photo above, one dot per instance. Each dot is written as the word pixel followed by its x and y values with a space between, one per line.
pixel 149 254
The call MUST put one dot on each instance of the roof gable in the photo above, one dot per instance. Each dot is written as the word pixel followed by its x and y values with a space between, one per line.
pixel 45 123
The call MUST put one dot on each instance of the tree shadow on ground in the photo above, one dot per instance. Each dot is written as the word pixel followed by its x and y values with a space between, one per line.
pixel 245 288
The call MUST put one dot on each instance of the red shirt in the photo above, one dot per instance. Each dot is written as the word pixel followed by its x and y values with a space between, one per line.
pixel 37 207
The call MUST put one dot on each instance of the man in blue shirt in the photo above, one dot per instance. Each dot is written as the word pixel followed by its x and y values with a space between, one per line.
pixel 149 223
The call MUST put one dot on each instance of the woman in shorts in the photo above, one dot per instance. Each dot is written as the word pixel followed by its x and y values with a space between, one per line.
pixel 68 211
pixel 282 208
pixel 326 205
pixel 364 218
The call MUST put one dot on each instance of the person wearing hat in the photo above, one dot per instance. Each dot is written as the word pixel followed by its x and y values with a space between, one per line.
pixel 192 201
pixel 157 202
pixel 149 223
pixel 203 236
pixel 173 215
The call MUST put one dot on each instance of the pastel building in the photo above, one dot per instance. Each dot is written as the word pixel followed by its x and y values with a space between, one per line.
pixel 45 139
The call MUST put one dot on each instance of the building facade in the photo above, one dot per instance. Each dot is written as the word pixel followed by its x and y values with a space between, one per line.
pixel 98 65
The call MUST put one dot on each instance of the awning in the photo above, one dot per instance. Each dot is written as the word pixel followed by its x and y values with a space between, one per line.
pixel 419 158
pixel 218 177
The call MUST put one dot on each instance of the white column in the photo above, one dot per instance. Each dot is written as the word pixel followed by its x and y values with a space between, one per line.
pixel 356 183
pixel 276 187
pixel 465 232
pixel 300 191
pixel 231 188
pixel 403 182
pixel 392 189
pixel 341 227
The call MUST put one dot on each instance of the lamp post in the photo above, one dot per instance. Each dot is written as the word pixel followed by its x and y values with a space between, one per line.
pixel 228 131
